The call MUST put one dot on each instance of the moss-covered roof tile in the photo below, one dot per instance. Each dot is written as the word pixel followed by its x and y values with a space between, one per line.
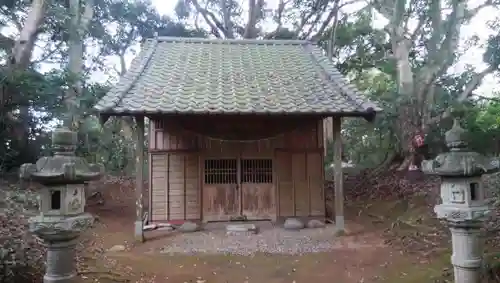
pixel 201 76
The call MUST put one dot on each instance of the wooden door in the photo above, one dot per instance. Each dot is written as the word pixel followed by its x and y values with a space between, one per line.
pixel 221 196
pixel 257 189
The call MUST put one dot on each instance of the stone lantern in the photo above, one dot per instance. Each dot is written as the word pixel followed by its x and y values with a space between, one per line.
pixel 465 202
pixel 61 215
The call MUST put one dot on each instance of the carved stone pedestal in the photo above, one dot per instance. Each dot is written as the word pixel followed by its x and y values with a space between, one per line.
pixel 467 251
pixel 60 261
pixel 60 238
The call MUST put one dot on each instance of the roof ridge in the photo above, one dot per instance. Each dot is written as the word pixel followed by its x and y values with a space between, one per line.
pixel 332 71
pixel 142 67
pixel 233 41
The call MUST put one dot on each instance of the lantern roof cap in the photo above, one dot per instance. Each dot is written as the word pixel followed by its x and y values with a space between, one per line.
pixel 63 167
pixel 456 137
pixel 459 161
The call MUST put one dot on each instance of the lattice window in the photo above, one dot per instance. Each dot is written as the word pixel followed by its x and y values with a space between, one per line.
pixel 257 171
pixel 221 171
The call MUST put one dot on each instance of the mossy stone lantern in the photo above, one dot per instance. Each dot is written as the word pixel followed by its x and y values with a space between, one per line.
pixel 465 201
pixel 61 216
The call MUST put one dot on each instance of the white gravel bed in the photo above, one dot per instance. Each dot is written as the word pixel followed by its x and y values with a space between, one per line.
pixel 274 241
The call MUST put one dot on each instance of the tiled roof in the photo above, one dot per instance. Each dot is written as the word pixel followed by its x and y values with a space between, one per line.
pixel 197 76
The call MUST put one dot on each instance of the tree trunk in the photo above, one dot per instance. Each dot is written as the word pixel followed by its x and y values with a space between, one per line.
pixel 77 28
pixel 408 127
pixel 23 47
pixel 252 19
pixel 20 60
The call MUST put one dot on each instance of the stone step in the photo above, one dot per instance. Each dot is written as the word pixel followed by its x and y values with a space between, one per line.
pixel 237 229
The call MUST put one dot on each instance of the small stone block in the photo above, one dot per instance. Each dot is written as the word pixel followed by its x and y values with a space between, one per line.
pixel 188 227
pixel 315 223
pixel 138 232
pixel 233 229
pixel 293 224
pixel 117 248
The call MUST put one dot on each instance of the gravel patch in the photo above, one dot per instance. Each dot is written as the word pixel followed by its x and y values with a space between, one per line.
pixel 273 241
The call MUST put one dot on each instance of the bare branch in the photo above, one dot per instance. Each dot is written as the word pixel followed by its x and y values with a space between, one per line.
pixel 494 99
pixel 334 13
pixel 49 54
pixel 473 12
pixel 116 70
pixel 475 82
pixel 279 15
pixel 333 35
pixel 196 23
pixel 442 57
pixel 312 26
pixel 215 26
pixel 307 16
pixel 418 29
pixel 16 20
pixel 384 7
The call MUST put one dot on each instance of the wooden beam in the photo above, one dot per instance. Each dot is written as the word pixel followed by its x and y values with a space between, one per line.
pixel 338 174
pixel 139 179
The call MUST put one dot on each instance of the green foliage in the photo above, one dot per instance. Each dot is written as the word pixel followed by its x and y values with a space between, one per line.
pixel 369 143
pixel 359 44
pixel 483 122
pixel 42 93
pixel 492 54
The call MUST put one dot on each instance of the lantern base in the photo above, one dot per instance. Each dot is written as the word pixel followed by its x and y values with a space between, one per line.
pixel 60 236
pixel 60 264
pixel 467 251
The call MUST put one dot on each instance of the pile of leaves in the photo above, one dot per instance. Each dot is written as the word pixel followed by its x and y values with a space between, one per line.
pixel 387 184
pixel 21 254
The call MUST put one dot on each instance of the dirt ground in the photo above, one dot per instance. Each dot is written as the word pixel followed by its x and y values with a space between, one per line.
pixel 376 260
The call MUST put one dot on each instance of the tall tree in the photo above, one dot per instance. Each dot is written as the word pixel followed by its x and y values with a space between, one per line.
pixel 78 25
pixel 422 56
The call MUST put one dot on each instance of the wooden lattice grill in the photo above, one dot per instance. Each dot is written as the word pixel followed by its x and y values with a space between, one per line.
pixel 221 171
pixel 257 171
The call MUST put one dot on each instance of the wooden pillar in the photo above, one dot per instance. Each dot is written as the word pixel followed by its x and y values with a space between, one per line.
pixel 139 179
pixel 327 134
pixel 338 173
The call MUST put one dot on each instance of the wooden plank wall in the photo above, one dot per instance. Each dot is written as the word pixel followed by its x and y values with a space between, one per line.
pixel 300 186
pixel 175 186
pixel 176 152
